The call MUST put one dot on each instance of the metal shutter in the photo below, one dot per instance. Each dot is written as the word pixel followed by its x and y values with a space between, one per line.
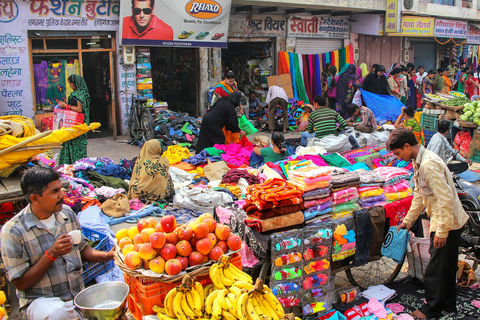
pixel 317 46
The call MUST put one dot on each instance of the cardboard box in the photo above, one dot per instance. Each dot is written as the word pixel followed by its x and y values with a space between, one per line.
pixel 66 118
pixel 284 81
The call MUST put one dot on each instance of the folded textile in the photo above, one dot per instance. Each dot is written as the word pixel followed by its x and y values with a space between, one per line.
pixel 310 186
pixel 338 187
pixel 113 170
pixel 345 193
pixel 315 192
pixel 367 188
pixel 369 200
pixel 276 222
pixel 393 175
pixel 344 178
pixel 335 159
pixel 380 292
pixel 357 166
pixel 310 214
pixel 317 197
pixel 369 177
pixel 351 198
pixel 252 211
pixel 233 175
pixel 273 190
pixel 398 187
pixel 262 205
pixel 202 158
pixel 344 207
pixel 320 207
pixel 311 203
pixel 310 172
pixel 398 195
pixel 370 193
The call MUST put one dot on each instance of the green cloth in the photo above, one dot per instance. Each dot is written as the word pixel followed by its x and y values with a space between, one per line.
pixel 345 67
pixel 76 149
pixel 270 156
pixel 461 88
pixel 335 160
pixel 214 152
pixel 363 158
pixel 342 57
pixel 345 207
pixel 324 122
pixel 413 124
pixel 302 93
pixel 97 180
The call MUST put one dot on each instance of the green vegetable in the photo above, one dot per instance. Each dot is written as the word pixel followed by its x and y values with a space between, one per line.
pixel 463 117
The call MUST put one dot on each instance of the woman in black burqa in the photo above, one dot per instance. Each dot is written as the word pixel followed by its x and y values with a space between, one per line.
pixel 221 114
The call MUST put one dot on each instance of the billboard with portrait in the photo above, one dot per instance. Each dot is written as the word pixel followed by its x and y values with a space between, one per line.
pixel 179 23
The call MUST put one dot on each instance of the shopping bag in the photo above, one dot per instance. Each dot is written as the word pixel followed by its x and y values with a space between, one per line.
pixel 395 244
pixel 246 126
pixel 66 118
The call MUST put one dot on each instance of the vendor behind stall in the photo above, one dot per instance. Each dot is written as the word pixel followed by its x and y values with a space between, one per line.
pixel 221 114
pixel 409 122
pixel 362 118
pixel 39 257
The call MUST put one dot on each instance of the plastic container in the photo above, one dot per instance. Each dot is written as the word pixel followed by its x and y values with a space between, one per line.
pixel 93 270
pixel 145 294
pixel 429 122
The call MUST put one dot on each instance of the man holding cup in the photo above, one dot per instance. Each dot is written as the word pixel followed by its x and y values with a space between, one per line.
pixel 39 254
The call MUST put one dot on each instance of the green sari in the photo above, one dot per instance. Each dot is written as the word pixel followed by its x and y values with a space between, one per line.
pixel 76 149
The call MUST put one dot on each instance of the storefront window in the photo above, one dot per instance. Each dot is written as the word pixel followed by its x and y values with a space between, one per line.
pixel 63 44
pixel 93 43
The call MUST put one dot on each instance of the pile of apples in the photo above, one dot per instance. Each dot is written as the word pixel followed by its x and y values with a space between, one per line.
pixel 164 247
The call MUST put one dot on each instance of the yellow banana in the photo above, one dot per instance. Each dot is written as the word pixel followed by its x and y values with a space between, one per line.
pixel 177 306
pixel 226 282
pixel 198 286
pixel 161 316
pixel 156 309
pixel 217 310
pixel 266 288
pixel 243 285
pixel 251 313
pixel 169 303
pixel 270 312
pixel 189 298
pixel 241 306
pixel 231 298
pixel 198 303
pixel 221 299
pixel 215 276
pixel 228 316
pixel 186 308
pixel 256 304
pixel 228 274
pixel 236 291
pixel 207 290
pixel 273 301
pixel 209 301
pixel 239 274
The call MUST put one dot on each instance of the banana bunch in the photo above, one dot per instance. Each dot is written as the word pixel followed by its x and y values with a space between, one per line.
pixel 224 274
pixel 184 302
pixel 243 301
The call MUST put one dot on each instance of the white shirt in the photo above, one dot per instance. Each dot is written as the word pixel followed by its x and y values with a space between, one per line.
pixel 276 92
pixel 419 80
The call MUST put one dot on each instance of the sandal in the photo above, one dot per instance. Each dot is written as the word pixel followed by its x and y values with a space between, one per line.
pixel 218 36
pixel 185 34
pixel 202 35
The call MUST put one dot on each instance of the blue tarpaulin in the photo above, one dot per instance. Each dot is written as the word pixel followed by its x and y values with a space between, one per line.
pixel 383 107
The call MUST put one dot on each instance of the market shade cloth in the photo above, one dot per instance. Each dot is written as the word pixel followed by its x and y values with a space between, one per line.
pixel 383 107
pixel 57 136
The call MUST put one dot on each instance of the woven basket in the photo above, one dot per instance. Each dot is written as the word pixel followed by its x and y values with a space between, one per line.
pixel 466 124
pixel 452 108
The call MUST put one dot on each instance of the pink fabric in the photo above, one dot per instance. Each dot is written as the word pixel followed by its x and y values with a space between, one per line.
pixel 317 179
pixel 405 316
pixel 345 193
pixel 399 187
pixel 377 308
pixel 377 164
pixel 395 307
pixel 136 204
pixel 317 160
pixel 311 203
pixel 235 153
pixel 350 198
pixel 348 246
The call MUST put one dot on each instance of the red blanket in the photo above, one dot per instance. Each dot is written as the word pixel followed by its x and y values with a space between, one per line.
pixel 252 211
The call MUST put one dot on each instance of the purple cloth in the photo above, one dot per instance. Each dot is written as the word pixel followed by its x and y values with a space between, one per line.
pixel 372 199
pixel 316 192
pixel 320 207
pixel 40 73
pixel 201 158
pixel 343 86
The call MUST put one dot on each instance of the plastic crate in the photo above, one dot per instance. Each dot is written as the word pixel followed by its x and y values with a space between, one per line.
pixel 145 294
pixel 428 135
pixel 429 122
pixel 476 157
pixel 92 270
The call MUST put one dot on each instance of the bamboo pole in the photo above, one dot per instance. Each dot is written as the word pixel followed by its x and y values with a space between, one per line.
pixel 25 142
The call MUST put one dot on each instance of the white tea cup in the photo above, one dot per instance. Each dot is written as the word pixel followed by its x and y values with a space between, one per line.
pixel 76 236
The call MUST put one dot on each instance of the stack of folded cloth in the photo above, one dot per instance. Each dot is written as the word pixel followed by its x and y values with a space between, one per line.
pixel 345 180
pixel 344 200
pixel 369 178
pixel 317 207
pixel 371 196
pixel 398 191
pixel 273 205
pixel 310 178
pixel 393 175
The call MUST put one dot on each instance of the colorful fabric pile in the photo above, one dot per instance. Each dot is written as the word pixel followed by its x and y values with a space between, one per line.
pixel 176 154
pixel 345 200
pixel 398 191
pixel 371 196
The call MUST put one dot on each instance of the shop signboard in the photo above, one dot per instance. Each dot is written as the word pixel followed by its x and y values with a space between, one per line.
pixel 413 26
pixel 319 27
pixel 473 36
pixel 257 25
pixel 74 15
pixel 179 23
pixel 392 16
pixel 450 29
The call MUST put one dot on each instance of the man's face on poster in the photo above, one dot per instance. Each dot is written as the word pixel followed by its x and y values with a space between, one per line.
pixel 142 13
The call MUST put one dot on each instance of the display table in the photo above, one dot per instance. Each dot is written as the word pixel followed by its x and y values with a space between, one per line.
pixel 10 189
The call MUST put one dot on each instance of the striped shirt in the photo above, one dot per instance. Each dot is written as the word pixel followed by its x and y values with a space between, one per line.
pixel 24 240
pixel 324 122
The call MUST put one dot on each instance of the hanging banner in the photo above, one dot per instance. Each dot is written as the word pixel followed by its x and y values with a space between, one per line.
pixel 257 25
pixel 179 23
pixel 318 27
pixel 450 29
pixel 473 36
pixel 392 16
pixel 416 27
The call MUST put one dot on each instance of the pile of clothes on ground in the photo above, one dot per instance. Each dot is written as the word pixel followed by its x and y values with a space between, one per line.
pixel 177 128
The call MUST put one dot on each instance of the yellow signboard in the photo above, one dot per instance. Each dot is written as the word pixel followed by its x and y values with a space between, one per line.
pixel 391 16
pixel 416 27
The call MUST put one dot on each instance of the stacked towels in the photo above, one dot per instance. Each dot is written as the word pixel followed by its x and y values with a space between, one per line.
pixel 344 200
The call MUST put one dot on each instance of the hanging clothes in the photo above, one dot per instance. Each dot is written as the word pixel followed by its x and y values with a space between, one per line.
pixel 40 73
pixel 71 68
pixel 56 83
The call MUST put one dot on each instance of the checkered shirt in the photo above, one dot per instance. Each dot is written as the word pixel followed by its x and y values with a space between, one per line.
pixel 24 240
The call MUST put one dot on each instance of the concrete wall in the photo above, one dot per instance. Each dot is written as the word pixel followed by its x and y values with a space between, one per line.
pixel 449 12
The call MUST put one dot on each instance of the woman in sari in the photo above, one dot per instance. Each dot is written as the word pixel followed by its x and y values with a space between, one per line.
pixel 78 101
pixel 151 180
pixel 346 89
pixel 409 122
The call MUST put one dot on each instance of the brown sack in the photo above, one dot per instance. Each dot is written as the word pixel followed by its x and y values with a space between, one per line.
pixel 216 170
pixel 116 206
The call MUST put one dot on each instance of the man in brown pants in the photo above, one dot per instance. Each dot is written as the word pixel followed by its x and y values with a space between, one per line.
pixel 277 96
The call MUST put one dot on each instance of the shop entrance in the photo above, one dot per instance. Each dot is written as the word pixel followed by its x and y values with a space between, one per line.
pixel 252 62
pixel 55 58
pixel 426 55
pixel 175 78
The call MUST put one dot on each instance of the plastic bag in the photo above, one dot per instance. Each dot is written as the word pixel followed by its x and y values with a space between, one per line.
pixel 331 143
pixel 246 126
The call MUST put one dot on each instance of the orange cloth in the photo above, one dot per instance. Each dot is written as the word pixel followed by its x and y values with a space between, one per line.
pixel 184 166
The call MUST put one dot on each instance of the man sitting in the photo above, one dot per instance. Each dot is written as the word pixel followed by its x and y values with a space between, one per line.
pixel 38 253
pixel 440 145
pixel 362 119
pixel 323 121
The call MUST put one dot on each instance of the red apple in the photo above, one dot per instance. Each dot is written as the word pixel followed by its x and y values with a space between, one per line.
pixel 215 253
pixel 184 261
pixel 173 267
pixel 185 232
pixel 158 239
pixel 195 258
pixel 172 238
pixel 143 224
pixel 169 251
pixel 222 244
pixel 169 223
pixel 234 242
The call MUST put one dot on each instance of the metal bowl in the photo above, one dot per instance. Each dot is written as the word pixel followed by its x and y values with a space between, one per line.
pixel 103 301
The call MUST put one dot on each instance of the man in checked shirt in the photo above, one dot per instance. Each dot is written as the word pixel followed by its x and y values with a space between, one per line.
pixel 434 191
pixel 39 257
